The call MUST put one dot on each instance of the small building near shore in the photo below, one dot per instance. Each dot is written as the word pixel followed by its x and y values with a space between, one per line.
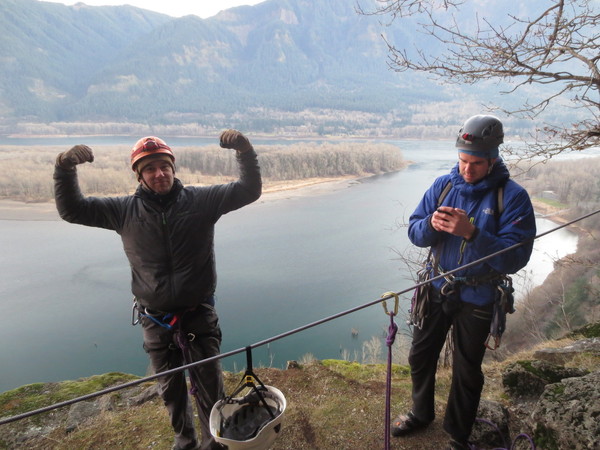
pixel 550 195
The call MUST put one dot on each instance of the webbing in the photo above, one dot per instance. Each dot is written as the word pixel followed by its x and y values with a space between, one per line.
pixel 389 341
pixel 507 445
pixel 285 334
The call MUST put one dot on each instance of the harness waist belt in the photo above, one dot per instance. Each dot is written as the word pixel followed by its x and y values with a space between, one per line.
pixel 482 279
pixel 210 301
pixel 474 280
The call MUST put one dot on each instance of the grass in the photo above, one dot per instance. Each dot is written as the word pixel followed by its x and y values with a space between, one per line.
pixel 332 404
pixel 38 395
pixel 551 202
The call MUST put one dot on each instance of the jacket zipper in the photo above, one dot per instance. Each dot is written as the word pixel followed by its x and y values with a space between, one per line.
pixel 165 227
pixel 463 245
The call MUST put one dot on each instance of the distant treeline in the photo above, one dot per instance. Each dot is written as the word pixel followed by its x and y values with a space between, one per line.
pixel 571 184
pixel 570 296
pixel 300 161
pixel 31 168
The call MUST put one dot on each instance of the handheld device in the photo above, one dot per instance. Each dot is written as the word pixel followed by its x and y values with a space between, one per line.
pixel 444 212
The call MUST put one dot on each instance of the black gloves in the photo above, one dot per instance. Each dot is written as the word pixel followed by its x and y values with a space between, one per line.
pixel 236 140
pixel 76 155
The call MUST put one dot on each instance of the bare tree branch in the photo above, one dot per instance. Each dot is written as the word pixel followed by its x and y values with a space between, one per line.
pixel 558 49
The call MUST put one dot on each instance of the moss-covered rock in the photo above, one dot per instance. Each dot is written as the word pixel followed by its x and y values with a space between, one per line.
pixel 591 330
pixel 528 378
pixel 566 414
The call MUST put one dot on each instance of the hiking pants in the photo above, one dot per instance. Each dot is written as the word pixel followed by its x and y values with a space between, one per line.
pixel 201 327
pixel 470 328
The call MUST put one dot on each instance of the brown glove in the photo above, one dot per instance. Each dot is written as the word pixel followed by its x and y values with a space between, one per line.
pixel 76 155
pixel 236 140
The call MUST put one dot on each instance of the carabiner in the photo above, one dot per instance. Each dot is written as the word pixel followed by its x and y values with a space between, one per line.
pixel 447 288
pixel 135 318
pixel 396 303
pixel 496 342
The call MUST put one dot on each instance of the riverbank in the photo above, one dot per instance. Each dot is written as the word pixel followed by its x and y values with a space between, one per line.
pixel 556 215
pixel 15 210
pixel 272 191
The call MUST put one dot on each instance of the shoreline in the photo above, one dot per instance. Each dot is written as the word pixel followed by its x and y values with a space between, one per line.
pixel 555 215
pixel 46 211
pixel 276 191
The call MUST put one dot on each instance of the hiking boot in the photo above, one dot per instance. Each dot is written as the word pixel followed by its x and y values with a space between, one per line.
pixel 406 424
pixel 191 446
pixel 456 444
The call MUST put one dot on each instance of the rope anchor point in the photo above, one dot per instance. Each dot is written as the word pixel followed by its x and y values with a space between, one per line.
pixel 396 303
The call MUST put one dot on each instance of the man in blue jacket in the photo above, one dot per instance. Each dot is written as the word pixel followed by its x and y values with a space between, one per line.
pixel 467 225
pixel 167 231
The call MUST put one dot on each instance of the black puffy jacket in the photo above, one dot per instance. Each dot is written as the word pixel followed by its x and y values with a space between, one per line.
pixel 169 241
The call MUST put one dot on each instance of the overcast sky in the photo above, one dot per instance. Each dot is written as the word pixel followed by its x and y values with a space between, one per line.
pixel 175 8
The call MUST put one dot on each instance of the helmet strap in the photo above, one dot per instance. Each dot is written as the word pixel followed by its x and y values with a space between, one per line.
pixel 145 185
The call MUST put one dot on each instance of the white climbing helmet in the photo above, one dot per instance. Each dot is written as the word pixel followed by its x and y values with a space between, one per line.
pixel 246 423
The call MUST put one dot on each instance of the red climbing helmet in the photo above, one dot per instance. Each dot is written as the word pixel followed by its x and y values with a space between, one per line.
pixel 149 146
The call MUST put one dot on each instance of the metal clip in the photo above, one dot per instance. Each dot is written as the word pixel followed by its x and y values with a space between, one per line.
pixel 135 318
pixel 396 303
pixel 495 342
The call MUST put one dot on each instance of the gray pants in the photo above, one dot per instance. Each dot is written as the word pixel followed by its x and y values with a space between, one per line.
pixel 201 328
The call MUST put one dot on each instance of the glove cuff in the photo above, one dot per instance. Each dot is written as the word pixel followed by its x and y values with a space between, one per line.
pixel 250 148
pixel 60 162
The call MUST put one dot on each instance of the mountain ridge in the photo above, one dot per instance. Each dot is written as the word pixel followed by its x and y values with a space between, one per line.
pixel 245 67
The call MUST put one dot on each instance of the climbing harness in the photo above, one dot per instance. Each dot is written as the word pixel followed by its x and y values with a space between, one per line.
pixel 172 322
pixel 503 302
pixel 183 340
pixel 165 320
pixel 503 305
pixel 250 421
pixel 391 337
pixel 419 303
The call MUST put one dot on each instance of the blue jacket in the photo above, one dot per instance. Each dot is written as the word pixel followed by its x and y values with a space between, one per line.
pixel 515 224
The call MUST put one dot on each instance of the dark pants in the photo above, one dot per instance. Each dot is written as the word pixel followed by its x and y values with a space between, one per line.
pixel 201 328
pixel 470 328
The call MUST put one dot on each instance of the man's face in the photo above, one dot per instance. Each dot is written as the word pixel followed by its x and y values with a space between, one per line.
pixel 158 175
pixel 473 168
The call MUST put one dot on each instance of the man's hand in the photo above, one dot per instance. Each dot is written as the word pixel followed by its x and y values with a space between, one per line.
pixel 236 140
pixel 76 155
pixel 454 221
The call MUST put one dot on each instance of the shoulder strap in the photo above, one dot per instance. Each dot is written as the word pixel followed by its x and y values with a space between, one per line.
pixel 439 203
pixel 500 193
pixel 444 193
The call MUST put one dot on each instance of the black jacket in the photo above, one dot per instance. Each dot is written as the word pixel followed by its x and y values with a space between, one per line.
pixel 169 240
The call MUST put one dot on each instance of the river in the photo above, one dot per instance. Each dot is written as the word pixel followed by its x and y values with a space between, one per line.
pixel 283 262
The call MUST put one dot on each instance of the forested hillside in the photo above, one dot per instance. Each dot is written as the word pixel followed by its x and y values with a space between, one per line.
pixel 281 66
pixel 570 297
